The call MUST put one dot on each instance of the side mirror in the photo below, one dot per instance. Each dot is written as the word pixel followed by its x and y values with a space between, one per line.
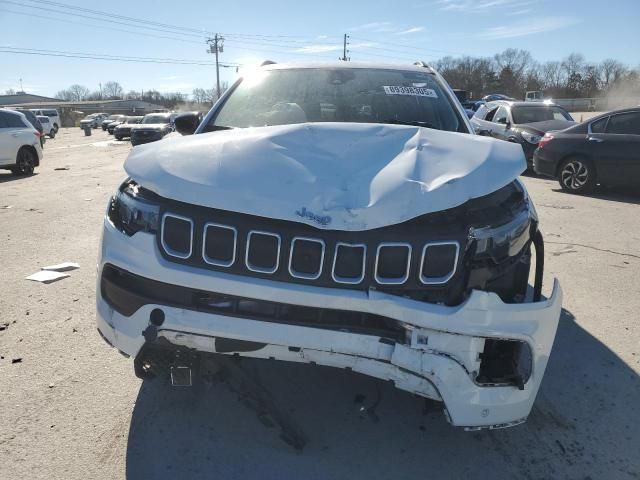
pixel 186 123
pixel 507 125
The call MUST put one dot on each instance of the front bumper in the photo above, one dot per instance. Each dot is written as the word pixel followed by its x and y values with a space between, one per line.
pixel 439 360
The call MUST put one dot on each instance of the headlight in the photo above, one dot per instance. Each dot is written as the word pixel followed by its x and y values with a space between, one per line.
pixel 506 240
pixel 530 137
pixel 132 210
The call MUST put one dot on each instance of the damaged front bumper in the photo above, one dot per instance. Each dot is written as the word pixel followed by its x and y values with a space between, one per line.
pixel 443 353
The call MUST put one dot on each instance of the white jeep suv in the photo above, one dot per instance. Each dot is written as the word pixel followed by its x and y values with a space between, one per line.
pixel 339 214
pixel 20 148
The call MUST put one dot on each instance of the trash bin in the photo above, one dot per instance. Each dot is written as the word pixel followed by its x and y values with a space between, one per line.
pixel 87 130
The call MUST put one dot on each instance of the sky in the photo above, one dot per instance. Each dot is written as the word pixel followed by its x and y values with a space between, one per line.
pixel 289 31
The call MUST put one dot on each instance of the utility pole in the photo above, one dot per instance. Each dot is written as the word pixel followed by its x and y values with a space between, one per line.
pixel 344 49
pixel 216 45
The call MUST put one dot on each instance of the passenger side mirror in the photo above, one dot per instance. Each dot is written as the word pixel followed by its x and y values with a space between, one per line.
pixel 186 123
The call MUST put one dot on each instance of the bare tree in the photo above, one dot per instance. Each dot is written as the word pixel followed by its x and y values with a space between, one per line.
pixel 552 75
pixel 10 91
pixel 75 93
pixel 132 95
pixel 611 71
pixel 112 90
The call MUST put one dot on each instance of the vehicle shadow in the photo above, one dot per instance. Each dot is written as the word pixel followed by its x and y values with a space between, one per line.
pixel 356 427
pixel 7 176
pixel 613 194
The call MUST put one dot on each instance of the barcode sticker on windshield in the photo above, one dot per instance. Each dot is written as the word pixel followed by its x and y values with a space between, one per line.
pixel 413 91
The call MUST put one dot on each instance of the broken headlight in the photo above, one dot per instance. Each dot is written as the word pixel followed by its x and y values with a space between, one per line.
pixel 508 239
pixel 132 210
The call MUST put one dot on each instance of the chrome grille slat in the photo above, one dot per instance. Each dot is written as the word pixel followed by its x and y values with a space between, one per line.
pixel 167 248
pixel 255 268
pixel 346 280
pixel 444 278
pixel 303 275
pixel 212 261
pixel 391 280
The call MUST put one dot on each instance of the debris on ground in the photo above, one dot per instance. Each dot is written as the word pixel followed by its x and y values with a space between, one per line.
pixel 62 168
pixel 6 207
pixel 46 276
pixel 16 360
pixel 62 267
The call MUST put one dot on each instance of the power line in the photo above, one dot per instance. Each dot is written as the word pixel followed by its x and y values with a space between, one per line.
pixel 100 56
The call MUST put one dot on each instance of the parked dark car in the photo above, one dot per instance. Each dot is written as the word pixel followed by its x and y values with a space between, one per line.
pixel 604 149
pixel 123 130
pixel 111 118
pixel 154 127
pixel 111 126
pixel 520 122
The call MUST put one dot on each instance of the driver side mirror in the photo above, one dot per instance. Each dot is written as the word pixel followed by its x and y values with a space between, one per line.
pixel 507 125
pixel 186 123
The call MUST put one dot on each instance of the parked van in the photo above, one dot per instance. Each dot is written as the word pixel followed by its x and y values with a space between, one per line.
pixel 52 114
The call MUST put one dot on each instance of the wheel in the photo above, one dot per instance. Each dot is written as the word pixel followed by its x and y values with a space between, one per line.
pixel 577 175
pixel 118 137
pixel 52 133
pixel 55 127
pixel 25 162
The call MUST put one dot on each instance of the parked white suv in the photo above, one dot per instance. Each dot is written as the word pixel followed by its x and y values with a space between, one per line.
pixel 52 114
pixel 338 214
pixel 20 149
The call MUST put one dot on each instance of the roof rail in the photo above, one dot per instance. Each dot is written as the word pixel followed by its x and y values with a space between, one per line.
pixel 267 62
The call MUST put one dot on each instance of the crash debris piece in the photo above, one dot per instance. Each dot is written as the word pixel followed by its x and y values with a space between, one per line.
pixel 62 267
pixel 47 276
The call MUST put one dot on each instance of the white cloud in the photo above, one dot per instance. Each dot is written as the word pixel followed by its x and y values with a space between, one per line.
pixel 475 6
pixel 527 27
pixel 410 30
pixel 380 27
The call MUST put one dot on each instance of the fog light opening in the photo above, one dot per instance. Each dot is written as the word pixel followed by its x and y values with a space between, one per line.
pixel 505 362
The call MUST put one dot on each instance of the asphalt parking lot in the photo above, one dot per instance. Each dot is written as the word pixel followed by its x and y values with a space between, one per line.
pixel 71 407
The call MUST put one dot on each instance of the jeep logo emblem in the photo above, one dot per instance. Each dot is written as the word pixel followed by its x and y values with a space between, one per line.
pixel 322 220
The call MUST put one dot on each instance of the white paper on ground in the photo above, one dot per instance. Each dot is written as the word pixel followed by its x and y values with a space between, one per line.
pixel 47 276
pixel 342 176
pixel 62 267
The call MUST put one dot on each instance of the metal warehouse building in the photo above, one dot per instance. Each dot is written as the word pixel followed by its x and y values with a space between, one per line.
pixel 71 111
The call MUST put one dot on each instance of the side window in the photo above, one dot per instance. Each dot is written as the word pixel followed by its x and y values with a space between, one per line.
pixel 624 124
pixel 501 116
pixel 490 115
pixel 3 119
pixel 14 121
pixel 599 125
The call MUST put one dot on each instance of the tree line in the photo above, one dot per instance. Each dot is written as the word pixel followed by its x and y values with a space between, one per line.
pixel 112 90
pixel 514 72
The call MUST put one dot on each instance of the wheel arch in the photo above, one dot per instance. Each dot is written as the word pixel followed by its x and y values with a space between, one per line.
pixel 33 150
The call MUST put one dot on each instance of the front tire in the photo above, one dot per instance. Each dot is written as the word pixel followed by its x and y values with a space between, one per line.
pixel 52 133
pixel 577 175
pixel 25 162
pixel 55 127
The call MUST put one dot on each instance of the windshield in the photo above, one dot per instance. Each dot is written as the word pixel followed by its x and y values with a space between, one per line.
pixel 134 119
pixel 538 114
pixel 156 119
pixel 362 95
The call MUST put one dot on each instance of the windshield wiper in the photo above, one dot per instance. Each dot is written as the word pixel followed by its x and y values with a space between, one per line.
pixel 415 123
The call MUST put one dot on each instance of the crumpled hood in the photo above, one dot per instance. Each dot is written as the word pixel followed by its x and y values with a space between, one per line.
pixel 547 125
pixel 338 176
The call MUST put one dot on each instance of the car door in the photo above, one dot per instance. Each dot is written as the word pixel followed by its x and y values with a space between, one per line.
pixel 481 121
pixel 11 137
pixel 500 120
pixel 617 149
pixel 5 142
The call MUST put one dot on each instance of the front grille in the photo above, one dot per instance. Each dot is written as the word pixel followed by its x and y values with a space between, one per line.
pixel 402 257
